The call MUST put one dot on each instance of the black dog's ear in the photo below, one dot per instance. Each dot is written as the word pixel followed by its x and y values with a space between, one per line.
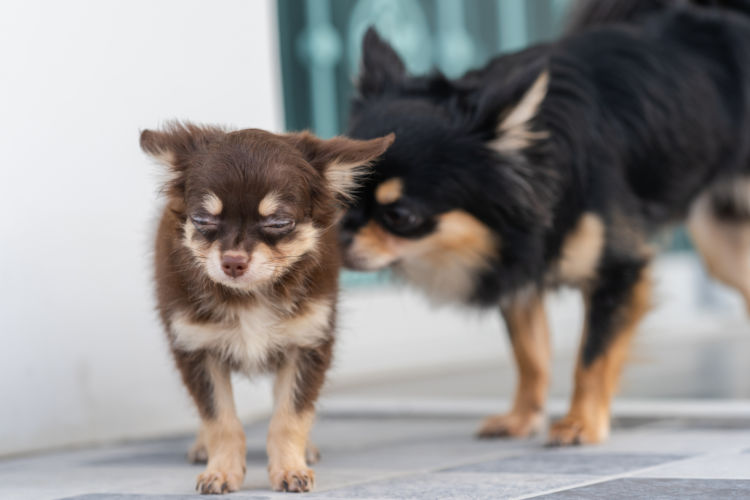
pixel 173 146
pixel 382 68
pixel 343 162
pixel 531 183
pixel 514 133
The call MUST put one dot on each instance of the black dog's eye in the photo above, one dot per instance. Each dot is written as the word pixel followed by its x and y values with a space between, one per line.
pixel 401 218
pixel 278 226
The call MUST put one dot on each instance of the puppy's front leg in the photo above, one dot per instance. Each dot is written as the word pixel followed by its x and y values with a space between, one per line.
pixel 529 335
pixel 296 388
pixel 221 435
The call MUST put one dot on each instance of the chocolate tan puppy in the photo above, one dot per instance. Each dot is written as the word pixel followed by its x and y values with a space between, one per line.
pixel 247 265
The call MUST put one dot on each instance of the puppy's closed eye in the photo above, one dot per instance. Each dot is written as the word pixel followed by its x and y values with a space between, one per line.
pixel 205 224
pixel 279 225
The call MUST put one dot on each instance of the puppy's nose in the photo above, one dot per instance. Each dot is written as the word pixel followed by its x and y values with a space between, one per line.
pixel 234 265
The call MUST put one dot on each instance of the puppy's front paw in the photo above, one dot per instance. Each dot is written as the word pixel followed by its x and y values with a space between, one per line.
pixel 575 430
pixel 513 424
pixel 292 480
pixel 215 482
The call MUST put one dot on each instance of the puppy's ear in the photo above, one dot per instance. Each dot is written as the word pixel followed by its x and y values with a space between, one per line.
pixel 382 68
pixel 174 145
pixel 341 161
pixel 176 141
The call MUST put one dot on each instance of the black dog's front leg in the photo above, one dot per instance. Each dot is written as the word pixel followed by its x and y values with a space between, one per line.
pixel 529 335
pixel 618 300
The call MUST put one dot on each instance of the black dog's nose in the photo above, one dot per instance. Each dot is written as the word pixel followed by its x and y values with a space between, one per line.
pixel 234 265
pixel 345 237
pixel 351 222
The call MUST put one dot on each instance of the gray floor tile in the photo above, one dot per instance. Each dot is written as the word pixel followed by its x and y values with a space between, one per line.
pixel 658 489
pixel 397 444
pixel 436 453
pixel 561 462
pixel 454 486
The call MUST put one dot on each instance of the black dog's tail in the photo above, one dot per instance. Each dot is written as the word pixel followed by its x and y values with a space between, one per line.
pixel 589 13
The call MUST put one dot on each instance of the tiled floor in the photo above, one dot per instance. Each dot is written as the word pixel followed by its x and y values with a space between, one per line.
pixel 428 452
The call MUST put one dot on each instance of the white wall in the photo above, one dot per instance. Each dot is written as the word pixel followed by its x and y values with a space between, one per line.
pixel 81 354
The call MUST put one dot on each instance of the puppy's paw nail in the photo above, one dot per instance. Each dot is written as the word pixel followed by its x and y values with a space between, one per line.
pixel 299 480
pixel 215 482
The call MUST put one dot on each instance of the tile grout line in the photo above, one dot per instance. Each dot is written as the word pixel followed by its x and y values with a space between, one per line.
pixel 497 456
pixel 469 461
pixel 616 476
pixel 494 456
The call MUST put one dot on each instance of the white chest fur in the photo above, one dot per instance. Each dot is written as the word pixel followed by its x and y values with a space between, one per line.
pixel 249 335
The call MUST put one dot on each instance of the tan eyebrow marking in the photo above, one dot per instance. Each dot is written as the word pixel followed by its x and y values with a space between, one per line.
pixel 212 203
pixel 269 204
pixel 389 191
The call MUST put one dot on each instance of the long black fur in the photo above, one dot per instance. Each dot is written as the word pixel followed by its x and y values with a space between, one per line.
pixel 590 13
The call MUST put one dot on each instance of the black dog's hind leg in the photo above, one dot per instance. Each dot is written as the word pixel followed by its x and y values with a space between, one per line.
pixel 719 225
pixel 615 304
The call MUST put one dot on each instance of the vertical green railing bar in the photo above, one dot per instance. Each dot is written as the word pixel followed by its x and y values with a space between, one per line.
pixel 320 46
pixel 513 30
pixel 456 47
pixel 559 11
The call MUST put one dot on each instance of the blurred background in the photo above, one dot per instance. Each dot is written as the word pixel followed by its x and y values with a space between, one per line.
pixel 82 356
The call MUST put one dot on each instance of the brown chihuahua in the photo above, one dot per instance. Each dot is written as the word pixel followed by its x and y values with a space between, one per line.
pixel 247 269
